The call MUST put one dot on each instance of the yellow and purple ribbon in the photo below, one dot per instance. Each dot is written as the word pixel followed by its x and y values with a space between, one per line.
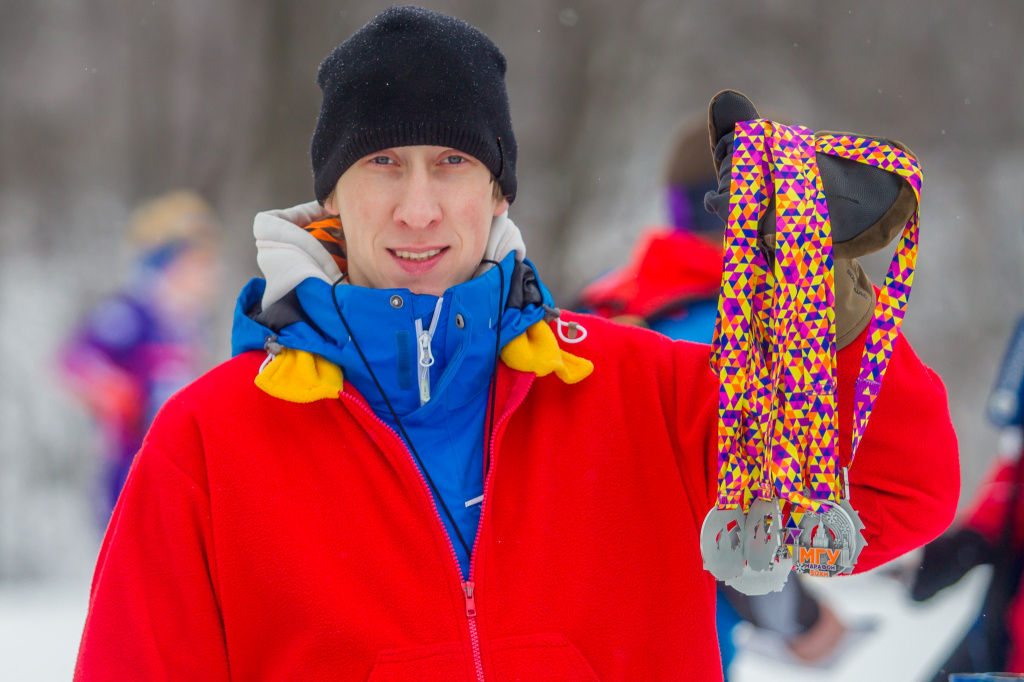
pixel 774 347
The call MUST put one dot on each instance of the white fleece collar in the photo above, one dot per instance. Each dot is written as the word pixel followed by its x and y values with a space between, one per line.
pixel 287 254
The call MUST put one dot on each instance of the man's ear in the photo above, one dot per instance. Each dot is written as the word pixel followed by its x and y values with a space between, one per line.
pixel 499 207
pixel 330 204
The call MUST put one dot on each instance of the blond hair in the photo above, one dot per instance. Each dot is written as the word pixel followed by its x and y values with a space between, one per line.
pixel 179 215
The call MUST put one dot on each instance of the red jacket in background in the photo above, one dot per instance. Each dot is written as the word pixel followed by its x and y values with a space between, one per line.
pixel 262 539
pixel 668 268
pixel 988 515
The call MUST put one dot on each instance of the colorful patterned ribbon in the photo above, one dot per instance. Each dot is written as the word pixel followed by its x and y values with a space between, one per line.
pixel 774 346
pixel 895 292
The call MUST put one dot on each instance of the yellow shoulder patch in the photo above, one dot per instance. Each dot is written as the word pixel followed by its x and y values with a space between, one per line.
pixel 300 377
pixel 537 350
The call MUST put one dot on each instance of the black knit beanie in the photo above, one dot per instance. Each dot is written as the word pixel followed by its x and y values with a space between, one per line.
pixel 413 77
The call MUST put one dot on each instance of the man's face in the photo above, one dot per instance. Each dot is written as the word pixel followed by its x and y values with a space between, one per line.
pixel 415 217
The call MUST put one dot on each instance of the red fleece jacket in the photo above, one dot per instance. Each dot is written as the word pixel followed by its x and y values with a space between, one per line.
pixel 261 539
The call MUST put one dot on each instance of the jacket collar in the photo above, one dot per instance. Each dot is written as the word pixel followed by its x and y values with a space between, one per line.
pixel 305 318
pixel 383 322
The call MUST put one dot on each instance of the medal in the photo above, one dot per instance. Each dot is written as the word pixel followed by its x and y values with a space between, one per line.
pixel 721 543
pixel 762 534
pixel 859 540
pixel 782 503
pixel 827 543
pixel 762 582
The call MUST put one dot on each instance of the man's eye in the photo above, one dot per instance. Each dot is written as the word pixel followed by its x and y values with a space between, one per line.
pixel 381 160
pixel 454 159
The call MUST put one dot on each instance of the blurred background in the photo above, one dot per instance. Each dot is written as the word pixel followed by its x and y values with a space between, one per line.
pixel 105 104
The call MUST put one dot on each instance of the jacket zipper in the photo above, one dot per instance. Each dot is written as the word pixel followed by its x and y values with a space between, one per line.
pixel 468 586
pixel 424 357
pixel 469 590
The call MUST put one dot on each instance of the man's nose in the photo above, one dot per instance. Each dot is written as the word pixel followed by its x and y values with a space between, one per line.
pixel 418 207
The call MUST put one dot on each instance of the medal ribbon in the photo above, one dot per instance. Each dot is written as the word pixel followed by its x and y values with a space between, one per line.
pixel 798 276
pixel 894 294
pixel 774 345
pixel 733 353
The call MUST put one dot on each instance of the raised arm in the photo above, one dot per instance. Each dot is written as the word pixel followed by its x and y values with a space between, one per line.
pixel 905 478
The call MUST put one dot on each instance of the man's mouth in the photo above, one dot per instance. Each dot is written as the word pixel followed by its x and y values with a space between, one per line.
pixel 417 255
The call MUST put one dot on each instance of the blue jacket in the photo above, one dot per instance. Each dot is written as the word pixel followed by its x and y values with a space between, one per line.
pixel 448 430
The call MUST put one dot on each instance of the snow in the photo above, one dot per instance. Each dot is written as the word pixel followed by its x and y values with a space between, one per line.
pixel 910 640
pixel 40 625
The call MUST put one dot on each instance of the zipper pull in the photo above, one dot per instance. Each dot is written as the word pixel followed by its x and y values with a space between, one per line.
pixel 426 359
pixel 467 588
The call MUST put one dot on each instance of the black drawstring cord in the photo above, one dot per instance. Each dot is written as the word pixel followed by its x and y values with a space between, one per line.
pixel 408 440
pixel 489 432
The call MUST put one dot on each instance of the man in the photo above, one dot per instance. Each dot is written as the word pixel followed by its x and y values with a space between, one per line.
pixel 382 494
pixel 674 273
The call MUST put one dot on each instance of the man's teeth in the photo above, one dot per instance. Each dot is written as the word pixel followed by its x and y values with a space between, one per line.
pixel 409 255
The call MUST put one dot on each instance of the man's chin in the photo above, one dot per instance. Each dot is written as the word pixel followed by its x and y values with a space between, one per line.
pixel 433 283
pixel 427 285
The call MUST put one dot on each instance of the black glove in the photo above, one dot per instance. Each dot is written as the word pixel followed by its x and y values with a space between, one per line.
pixel 947 559
pixel 867 208
pixel 726 110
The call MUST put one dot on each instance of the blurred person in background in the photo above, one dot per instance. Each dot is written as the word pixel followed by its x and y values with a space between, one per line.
pixel 993 533
pixel 415 467
pixel 672 280
pixel 138 346
pixel 671 286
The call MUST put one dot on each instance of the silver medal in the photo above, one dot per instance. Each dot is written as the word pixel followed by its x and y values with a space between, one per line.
pixel 827 544
pixel 721 543
pixel 762 534
pixel 859 542
pixel 762 582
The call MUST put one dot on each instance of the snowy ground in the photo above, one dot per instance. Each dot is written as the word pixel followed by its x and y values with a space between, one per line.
pixel 40 626
pixel 909 640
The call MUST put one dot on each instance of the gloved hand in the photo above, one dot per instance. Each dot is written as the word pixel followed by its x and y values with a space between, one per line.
pixel 855 300
pixel 947 559
pixel 867 207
